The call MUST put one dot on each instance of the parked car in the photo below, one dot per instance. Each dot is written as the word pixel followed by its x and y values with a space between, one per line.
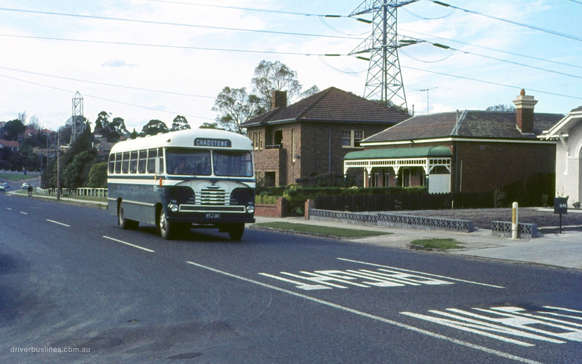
pixel 25 186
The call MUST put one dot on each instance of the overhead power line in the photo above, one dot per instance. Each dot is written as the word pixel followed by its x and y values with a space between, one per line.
pixel 258 10
pixel 494 49
pixel 169 46
pixel 506 85
pixel 576 1
pixel 155 22
pixel 106 83
pixel 204 118
pixel 533 27
pixel 446 47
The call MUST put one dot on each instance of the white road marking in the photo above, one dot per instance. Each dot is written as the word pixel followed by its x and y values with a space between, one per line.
pixel 373 317
pixel 129 244
pixel 58 223
pixel 562 309
pixel 505 323
pixel 423 273
pixel 23 213
pixel 9 208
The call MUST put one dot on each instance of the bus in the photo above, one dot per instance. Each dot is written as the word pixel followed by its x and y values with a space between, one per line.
pixel 174 180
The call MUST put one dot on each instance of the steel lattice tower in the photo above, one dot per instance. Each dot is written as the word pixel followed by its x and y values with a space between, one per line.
pixel 384 79
pixel 77 118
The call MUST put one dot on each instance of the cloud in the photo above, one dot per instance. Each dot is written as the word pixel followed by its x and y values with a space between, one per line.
pixel 118 63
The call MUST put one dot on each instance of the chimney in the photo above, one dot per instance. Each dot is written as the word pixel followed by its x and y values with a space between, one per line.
pixel 278 99
pixel 524 112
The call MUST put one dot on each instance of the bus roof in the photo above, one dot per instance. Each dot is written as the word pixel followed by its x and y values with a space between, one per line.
pixel 183 138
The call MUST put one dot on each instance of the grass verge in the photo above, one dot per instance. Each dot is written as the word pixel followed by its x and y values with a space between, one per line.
pixel 435 244
pixel 17 176
pixel 320 230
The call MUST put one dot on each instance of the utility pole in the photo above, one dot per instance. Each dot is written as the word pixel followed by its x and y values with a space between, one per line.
pixel 58 165
pixel 427 90
pixel 384 79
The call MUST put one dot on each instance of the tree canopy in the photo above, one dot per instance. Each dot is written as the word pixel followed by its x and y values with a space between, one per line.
pixel 235 107
pixel 154 127
pixel 271 76
pixel 12 129
pixel 180 123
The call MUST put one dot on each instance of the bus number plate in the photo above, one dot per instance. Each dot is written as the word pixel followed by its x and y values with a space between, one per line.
pixel 212 216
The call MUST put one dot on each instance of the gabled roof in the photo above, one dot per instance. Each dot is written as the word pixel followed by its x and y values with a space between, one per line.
pixel 468 124
pixel 330 105
pixel 573 118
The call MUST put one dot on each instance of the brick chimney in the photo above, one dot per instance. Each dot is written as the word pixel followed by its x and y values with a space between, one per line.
pixel 278 99
pixel 524 112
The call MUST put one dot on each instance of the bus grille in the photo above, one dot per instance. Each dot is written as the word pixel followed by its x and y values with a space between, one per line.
pixel 212 196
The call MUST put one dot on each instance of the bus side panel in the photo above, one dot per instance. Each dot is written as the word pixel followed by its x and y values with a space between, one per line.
pixel 138 201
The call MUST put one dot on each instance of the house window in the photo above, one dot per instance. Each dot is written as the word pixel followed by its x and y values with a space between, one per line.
pixel 352 137
pixel 278 137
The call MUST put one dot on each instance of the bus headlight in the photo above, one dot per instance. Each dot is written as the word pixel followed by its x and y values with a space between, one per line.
pixel 250 209
pixel 173 206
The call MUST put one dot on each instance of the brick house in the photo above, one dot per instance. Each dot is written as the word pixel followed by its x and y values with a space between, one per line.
pixel 9 145
pixel 309 138
pixel 463 151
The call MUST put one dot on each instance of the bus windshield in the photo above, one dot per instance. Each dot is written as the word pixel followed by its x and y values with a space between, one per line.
pixel 233 163
pixel 188 162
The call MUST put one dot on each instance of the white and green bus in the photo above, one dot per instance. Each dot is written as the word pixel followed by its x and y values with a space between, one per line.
pixel 173 180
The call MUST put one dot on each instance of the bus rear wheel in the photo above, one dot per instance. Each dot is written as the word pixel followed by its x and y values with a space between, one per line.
pixel 236 231
pixel 166 228
pixel 125 223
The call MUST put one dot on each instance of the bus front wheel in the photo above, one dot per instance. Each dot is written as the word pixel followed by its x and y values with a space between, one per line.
pixel 165 227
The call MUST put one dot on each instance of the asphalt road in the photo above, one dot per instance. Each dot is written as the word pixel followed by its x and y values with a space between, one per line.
pixel 69 281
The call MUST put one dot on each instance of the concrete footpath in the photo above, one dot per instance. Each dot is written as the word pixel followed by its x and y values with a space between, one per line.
pixel 561 250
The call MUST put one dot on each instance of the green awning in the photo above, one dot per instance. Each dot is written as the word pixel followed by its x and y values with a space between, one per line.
pixel 393 153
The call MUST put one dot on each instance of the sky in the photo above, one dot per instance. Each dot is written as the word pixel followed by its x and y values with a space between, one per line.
pixel 493 61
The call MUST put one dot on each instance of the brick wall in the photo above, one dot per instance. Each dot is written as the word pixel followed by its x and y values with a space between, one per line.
pixel 486 166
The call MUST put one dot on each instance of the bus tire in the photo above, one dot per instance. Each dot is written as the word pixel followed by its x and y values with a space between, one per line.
pixel 121 220
pixel 165 227
pixel 236 231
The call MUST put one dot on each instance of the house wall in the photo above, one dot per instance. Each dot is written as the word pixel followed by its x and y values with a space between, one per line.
pixel 568 171
pixel 482 167
pixel 317 157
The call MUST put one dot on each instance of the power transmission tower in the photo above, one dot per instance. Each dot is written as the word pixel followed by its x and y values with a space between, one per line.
pixel 77 118
pixel 384 79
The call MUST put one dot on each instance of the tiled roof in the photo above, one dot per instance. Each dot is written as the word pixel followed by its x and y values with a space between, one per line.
pixel 331 104
pixel 470 124
pixel 9 143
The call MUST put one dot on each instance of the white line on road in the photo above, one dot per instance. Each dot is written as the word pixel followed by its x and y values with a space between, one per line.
pixel 373 317
pixel 562 309
pixel 415 271
pixel 9 208
pixel 58 223
pixel 23 213
pixel 129 244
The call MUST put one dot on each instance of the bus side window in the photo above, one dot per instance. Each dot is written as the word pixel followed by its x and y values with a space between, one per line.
pixel 161 158
pixel 125 163
pixel 152 156
pixel 141 167
pixel 133 163
pixel 111 163
pixel 117 163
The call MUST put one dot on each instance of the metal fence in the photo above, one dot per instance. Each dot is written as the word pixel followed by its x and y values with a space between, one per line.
pixel 82 192
pixel 393 220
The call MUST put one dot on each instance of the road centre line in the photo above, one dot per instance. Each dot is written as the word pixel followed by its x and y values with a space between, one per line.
pixel 418 272
pixel 129 244
pixel 23 213
pixel 562 309
pixel 58 223
pixel 371 316
pixel 9 208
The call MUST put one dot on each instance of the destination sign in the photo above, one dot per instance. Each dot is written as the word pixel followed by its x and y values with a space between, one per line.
pixel 209 142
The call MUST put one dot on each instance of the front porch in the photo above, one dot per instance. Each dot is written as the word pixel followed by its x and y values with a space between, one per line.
pixel 403 167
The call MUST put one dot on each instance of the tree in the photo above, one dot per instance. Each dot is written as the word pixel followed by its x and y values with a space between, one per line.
pixel 501 108
pixel 75 173
pixel 111 130
pixel 271 76
pixel 209 126
pixel 310 91
pixel 101 123
pixel 235 107
pixel 97 175
pixel 154 127
pixel 180 123
pixel 134 134
pixel 13 128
